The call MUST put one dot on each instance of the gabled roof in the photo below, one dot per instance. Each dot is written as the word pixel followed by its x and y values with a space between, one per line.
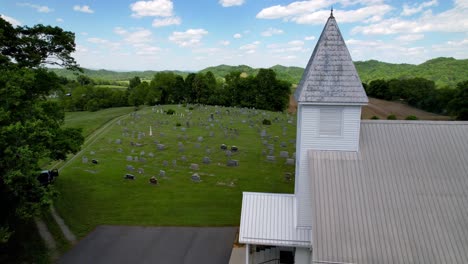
pixel 330 76
pixel 403 198
pixel 268 219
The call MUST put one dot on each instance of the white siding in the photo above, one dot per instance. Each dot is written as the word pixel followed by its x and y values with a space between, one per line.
pixel 308 137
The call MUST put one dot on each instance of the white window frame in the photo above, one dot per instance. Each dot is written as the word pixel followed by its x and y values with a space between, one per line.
pixel 332 113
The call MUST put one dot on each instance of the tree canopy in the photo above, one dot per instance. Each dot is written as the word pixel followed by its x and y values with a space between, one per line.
pixel 30 123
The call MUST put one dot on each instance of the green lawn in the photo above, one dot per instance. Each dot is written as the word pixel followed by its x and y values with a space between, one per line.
pixel 92 195
pixel 90 121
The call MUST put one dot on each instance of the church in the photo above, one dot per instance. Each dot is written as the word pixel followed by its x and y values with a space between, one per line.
pixel 373 191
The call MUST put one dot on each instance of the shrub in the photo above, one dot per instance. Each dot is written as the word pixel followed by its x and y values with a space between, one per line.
pixel 266 122
pixel 391 117
pixel 178 124
pixel 375 117
pixel 190 108
pixel 170 112
pixel 411 117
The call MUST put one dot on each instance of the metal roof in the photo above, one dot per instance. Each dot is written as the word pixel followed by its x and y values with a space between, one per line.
pixel 330 75
pixel 403 198
pixel 269 219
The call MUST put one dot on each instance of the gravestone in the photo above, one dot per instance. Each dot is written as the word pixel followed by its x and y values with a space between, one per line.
pixel 228 153
pixel 84 159
pixel 162 173
pixel 264 152
pixel 160 146
pixel 141 170
pixel 129 158
pixel 194 166
pixel 183 158
pixel 212 134
pixel 232 163
pixel 92 153
pixel 284 154
pixel 119 150
pixel 183 129
pixel 165 163
pixel 271 158
pixel 290 162
pixel 135 158
pixel 143 160
pixel 118 141
pixel 206 160
pixel 142 153
pixel 263 133
pixel 283 144
pixel 197 145
pixel 200 139
pixel 208 151
pixel 174 163
pixel 287 176
pixel 270 147
pixel 130 168
pixel 138 145
pixel 195 177
pixel 151 155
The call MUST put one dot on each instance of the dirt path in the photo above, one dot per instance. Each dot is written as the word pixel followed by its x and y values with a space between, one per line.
pixel 48 238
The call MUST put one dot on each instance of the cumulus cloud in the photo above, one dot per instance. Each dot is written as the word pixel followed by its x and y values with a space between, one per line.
pixel 309 38
pixel 228 3
pixel 166 22
pixel 188 38
pixel 293 9
pixel 97 40
pixel 147 50
pixel 11 20
pixel 160 8
pixel 251 47
pixel 60 20
pixel 224 42
pixel 84 9
pixel 452 20
pixel 138 36
pixel 272 31
pixel 39 8
pixel 345 16
pixel 237 36
pixel 411 10
pixel 291 46
pixel 410 38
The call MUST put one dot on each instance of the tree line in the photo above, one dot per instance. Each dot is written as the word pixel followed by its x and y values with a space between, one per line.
pixel 262 91
pixel 423 94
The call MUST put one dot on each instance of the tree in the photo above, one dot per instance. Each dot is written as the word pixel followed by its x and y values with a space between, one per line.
pixel 458 106
pixel 30 125
pixel 134 82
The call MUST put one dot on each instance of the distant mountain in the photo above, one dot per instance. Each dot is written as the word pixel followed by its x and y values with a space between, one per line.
pixel 443 71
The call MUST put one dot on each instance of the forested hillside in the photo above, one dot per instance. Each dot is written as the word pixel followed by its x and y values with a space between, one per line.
pixel 443 71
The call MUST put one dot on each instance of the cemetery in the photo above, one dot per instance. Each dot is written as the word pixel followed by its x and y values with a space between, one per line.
pixel 188 168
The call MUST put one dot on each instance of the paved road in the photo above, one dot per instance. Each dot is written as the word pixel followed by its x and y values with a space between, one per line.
pixel 171 245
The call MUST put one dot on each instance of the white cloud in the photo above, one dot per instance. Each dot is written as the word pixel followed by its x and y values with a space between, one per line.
pixel 166 21
pixel 60 20
pixel 291 46
pixel 84 33
pixel 309 38
pixel 97 40
pixel 120 31
pixel 147 50
pixel 293 9
pixel 160 8
pixel 138 36
pixel 409 38
pixel 228 3
pixel 224 42
pixel 411 10
pixel 39 8
pixel 189 38
pixel 237 36
pixel 452 20
pixel 11 20
pixel 251 47
pixel 272 31
pixel 345 16
pixel 84 9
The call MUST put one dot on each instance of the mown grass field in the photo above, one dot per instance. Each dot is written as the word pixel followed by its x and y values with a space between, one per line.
pixel 91 121
pixel 92 194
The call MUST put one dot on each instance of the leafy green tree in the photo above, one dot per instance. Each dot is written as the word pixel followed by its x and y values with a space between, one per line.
pixel 30 125
pixel 458 106
pixel 134 82
pixel 139 95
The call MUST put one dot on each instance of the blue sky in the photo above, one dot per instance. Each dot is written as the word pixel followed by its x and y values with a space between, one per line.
pixel 192 35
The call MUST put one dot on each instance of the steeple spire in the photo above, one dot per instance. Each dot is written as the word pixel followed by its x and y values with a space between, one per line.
pixel 331 13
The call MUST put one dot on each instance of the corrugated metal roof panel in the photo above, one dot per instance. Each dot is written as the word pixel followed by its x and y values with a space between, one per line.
pixel 402 199
pixel 330 75
pixel 268 219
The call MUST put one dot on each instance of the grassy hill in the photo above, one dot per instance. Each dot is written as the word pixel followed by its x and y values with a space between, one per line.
pixel 443 71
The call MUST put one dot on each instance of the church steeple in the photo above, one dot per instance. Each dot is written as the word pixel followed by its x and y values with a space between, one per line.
pixel 330 76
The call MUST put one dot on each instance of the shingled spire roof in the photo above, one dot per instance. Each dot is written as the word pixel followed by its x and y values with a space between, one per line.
pixel 330 76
